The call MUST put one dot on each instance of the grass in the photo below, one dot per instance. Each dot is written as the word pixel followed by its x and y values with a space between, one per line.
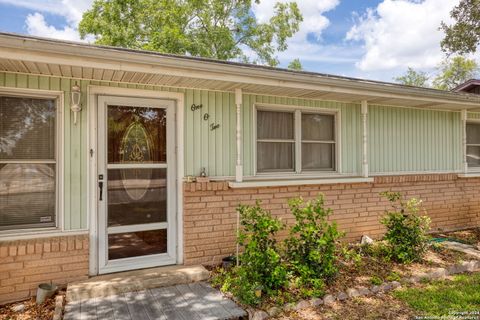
pixel 441 298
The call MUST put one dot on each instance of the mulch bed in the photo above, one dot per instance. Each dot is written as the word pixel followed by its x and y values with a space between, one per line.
pixel 352 274
pixel 31 310
pixel 469 236
pixel 380 306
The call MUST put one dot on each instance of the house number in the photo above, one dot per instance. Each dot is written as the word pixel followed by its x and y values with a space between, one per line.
pixel 214 126
pixel 195 106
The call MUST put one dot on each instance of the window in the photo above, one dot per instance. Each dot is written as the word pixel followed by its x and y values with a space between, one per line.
pixel 295 141
pixel 473 145
pixel 28 164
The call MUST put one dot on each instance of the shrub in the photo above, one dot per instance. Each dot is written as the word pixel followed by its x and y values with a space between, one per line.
pixel 311 246
pixel 406 230
pixel 261 270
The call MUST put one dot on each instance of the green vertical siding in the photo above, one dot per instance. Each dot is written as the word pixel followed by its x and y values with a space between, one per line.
pixel 400 139
pixel 413 140
pixel 474 115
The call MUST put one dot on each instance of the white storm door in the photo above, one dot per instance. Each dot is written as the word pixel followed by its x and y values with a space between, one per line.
pixel 136 183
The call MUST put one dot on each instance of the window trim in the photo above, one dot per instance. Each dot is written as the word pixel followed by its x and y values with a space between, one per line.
pixel 297 111
pixel 477 122
pixel 58 96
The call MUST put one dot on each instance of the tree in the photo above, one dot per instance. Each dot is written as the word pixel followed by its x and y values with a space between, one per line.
pixel 464 35
pixel 413 78
pixel 295 64
pixel 455 71
pixel 219 29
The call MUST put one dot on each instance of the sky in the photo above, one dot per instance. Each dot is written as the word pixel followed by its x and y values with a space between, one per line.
pixel 370 39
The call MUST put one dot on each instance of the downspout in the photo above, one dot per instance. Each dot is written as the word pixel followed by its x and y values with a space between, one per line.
pixel 365 139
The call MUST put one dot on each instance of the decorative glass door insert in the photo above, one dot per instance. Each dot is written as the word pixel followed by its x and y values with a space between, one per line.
pixel 136 183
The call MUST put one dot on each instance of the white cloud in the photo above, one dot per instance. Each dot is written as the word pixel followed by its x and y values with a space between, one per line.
pixel 37 26
pixel 314 22
pixel 401 33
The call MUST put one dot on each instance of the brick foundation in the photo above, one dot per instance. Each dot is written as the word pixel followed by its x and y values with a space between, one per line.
pixel 26 263
pixel 210 216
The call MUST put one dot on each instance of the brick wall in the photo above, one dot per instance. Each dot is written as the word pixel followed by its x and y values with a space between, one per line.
pixel 26 263
pixel 210 216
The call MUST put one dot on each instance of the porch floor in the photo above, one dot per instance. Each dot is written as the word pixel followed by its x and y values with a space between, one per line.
pixel 164 293
pixel 193 301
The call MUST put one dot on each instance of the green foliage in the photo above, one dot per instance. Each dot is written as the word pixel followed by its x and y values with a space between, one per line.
pixel 413 78
pixel 311 246
pixel 439 298
pixel 212 28
pixel 455 71
pixel 295 64
pixel 376 280
pixel 261 270
pixel 406 235
pixel 464 35
pixel 394 276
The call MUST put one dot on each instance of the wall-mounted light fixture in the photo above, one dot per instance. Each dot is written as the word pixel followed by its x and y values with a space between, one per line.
pixel 75 102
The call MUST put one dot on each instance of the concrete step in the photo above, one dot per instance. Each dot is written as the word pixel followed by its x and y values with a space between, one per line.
pixel 122 282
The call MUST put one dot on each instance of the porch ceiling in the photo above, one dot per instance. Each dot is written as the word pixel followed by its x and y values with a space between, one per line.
pixel 38 56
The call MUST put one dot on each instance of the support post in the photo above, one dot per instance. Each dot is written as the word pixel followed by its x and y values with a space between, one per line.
pixel 365 138
pixel 239 166
pixel 464 140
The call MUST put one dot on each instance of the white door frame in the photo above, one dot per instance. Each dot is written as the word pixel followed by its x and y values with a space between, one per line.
pixel 92 188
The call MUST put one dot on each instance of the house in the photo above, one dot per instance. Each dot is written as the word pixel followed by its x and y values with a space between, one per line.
pixel 100 147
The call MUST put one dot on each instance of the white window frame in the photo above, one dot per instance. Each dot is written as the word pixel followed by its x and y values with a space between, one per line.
pixel 297 111
pixel 58 96
pixel 476 122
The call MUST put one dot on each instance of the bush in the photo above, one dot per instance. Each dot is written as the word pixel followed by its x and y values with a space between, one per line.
pixel 261 270
pixel 406 234
pixel 311 246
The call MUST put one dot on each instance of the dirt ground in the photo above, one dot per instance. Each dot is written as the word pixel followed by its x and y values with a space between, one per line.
pixel 469 236
pixel 31 310
pixel 382 306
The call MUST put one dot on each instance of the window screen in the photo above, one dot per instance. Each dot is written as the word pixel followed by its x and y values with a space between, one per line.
pixel 473 144
pixel 27 162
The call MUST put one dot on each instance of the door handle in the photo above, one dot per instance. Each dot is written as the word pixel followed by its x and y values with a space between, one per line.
pixel 100 185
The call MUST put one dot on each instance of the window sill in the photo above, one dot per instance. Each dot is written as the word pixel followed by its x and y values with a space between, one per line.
pixel 25 234
pixel 297 181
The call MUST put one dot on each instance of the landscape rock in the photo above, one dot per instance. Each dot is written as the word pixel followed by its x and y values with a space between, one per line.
pixel 302 305
pixel 274 311
pixel 260 315
pixel 366 240
pixel 352 293
pixel 363 291
pixel 316 302
pixel 375 289
pixel 438 273
pixel 342 296
pixel 18 307
pixel 328 299
pixel 289 306
pixel 395 284
pixel 386 287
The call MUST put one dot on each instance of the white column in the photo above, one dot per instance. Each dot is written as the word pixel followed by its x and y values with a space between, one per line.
pixel 464 140
pixel 365 138
pixel 239 167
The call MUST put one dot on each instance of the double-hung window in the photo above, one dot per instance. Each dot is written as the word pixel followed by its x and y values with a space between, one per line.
pixel 473 145
pixel 28 162
pixel 295 141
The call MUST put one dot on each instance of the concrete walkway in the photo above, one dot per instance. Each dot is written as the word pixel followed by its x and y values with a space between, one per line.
pixel 165 293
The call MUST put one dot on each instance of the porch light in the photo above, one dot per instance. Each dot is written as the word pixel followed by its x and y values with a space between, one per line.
pixel 75 106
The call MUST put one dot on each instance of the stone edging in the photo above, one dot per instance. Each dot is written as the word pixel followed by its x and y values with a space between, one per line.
pixel 58 312
pixel 465 266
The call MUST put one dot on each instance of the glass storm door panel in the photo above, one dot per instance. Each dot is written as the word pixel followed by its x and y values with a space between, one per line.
pixel 136 184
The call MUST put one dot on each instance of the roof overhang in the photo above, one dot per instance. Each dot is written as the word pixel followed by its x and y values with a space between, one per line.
pixel 39 56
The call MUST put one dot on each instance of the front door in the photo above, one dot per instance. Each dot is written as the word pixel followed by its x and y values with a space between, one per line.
pixel 136 183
